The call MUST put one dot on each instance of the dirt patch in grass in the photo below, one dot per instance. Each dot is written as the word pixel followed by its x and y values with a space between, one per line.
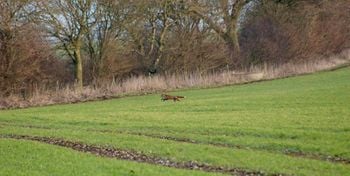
pixel 137 156
pixel 299 154
pixel 333 159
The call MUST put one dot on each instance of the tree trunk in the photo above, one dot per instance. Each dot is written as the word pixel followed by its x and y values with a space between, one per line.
pixel 162 36
pixel 78 65
pixel 232 35
pixel 231 20
pixel 232 43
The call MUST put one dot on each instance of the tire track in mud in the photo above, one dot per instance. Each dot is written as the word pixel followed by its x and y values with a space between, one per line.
pixel 137 156
pixel 298 154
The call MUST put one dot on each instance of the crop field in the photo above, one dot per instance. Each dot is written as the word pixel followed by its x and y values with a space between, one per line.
pixel 292 126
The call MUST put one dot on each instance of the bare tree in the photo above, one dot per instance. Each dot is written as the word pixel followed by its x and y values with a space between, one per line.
pixel 165 12
pixel 222 16
pixel 21 47
pixel 111 15
pixel 69 21
pixel 147 28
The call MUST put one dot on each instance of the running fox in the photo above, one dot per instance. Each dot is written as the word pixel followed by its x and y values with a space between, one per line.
pixel 170 97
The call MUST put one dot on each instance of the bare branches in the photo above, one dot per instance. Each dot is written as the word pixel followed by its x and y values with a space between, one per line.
pixel 21 47
pixel 70 22
pixel 113 38
pixel 224 21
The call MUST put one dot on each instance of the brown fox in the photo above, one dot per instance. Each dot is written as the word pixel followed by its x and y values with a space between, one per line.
pixel 170 97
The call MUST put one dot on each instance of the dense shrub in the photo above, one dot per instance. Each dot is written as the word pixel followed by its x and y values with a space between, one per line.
pixel 277 33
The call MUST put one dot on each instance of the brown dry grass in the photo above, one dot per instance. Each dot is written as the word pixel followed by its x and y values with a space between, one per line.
pixel 162 83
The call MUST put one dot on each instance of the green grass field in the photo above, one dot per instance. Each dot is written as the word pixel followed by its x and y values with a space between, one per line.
pixel 288 126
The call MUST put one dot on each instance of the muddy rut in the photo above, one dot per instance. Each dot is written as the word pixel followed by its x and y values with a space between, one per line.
pixel 298 154
pixel 332 159
pixel 137 156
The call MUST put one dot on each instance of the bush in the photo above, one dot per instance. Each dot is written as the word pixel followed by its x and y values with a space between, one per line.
pixel 277 33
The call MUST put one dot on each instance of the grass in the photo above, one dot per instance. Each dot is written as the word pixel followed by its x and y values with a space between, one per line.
pixel 248 126
pixel 31 158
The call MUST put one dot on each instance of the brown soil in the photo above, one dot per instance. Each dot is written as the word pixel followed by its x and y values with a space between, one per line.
pixel 137 156
pixel 334 159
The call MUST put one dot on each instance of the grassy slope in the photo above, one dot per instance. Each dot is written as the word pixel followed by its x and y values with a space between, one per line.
pixel 309 114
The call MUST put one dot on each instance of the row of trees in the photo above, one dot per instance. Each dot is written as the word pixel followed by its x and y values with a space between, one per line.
pixel 94 24
pixel 106 39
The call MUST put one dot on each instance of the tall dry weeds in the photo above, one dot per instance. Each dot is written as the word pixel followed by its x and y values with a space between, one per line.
pixel 162 83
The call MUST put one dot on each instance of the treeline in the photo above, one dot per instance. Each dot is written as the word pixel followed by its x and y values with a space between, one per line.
pixel 88 42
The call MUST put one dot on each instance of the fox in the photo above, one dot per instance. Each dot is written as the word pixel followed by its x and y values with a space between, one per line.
pixel 170 97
